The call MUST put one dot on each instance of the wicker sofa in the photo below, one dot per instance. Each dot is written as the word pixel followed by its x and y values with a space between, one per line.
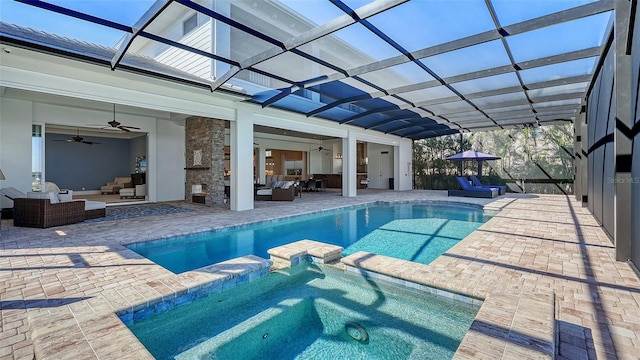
pixel 280 191
pixel 45 209
pixel 41 213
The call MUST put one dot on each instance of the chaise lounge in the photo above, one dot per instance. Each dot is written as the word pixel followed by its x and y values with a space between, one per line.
pixel 473 191
pixel 113 187
pixel 476 182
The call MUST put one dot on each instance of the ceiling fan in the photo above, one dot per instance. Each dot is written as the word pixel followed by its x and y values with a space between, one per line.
pixel 115 125
pixel 320 148
pixel 79 139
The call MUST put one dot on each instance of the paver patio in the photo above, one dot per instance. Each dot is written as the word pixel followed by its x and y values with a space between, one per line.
pixel 75 277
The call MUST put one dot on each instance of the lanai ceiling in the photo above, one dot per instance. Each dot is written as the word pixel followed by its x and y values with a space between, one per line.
pixel 416 69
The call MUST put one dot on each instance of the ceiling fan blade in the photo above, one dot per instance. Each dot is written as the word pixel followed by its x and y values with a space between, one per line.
pixel 90 142
pixel 124 128
pixel 129 127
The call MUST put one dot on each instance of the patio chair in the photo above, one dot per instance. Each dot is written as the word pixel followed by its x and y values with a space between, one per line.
pixel 476 182
pixel 472 191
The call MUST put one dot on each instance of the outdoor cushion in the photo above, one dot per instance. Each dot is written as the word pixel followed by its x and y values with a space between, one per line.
pixel 50 186
pixel 94 205
pixel 63 195
pixel 127 192
pixel 94 209
pixel 476 182
pixel 53 197
pixel 13 193
pixel 264 191
pixel 287 184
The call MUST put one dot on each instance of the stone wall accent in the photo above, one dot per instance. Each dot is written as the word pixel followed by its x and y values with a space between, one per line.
pixel 204 144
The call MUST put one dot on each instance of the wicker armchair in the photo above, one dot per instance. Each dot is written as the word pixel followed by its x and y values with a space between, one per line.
pixel 41 213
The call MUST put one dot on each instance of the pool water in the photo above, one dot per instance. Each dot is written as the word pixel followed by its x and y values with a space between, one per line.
pixel 310 313
pixel 409 231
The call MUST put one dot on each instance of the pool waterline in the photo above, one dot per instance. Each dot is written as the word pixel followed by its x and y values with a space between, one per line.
pixel 417 231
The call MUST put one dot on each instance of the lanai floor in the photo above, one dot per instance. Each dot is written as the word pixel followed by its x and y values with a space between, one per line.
pixel 53 278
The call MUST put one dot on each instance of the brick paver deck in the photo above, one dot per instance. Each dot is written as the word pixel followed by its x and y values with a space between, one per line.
pixel 61 286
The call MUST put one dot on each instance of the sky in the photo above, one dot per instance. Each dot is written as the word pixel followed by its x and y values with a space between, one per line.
pixel 30 16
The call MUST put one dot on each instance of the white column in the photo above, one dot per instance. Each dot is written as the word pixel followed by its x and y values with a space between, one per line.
pixel 242 160
pixel 262 164
pixel 349 168
pixel 403 165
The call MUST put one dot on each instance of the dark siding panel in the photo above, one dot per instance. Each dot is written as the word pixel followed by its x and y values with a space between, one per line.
pixel 592 110
pixel 598 160
pixel 601 123
pixel 635 171
pixel 608 184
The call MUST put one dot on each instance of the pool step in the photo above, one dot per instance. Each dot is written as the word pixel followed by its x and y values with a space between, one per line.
pixel 509 325
pixel 293 253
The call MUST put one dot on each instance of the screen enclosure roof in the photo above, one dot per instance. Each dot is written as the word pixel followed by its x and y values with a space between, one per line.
pixel 416 69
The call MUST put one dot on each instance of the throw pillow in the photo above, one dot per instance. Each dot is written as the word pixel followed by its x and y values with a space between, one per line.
pixel 287 184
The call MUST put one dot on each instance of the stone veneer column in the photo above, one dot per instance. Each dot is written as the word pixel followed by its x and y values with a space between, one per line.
pixel 204 144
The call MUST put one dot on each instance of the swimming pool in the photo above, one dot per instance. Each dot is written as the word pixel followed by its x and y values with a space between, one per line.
pixel 310 312
pixel 417 232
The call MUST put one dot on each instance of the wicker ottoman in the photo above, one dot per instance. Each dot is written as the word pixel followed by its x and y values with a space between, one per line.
pixel 127 193
pixel 94 209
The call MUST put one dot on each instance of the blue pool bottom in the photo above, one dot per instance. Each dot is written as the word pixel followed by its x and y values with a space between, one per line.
pixel 310 313
pixel 415 232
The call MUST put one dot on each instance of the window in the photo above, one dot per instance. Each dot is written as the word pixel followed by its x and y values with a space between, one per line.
pixel 37 149
pixel 293 167
pixel 189 24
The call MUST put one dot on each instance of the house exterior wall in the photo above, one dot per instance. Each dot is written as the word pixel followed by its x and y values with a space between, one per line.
pixel 200 38
pixel 15 145
pixel 380 165
pixel 169 161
